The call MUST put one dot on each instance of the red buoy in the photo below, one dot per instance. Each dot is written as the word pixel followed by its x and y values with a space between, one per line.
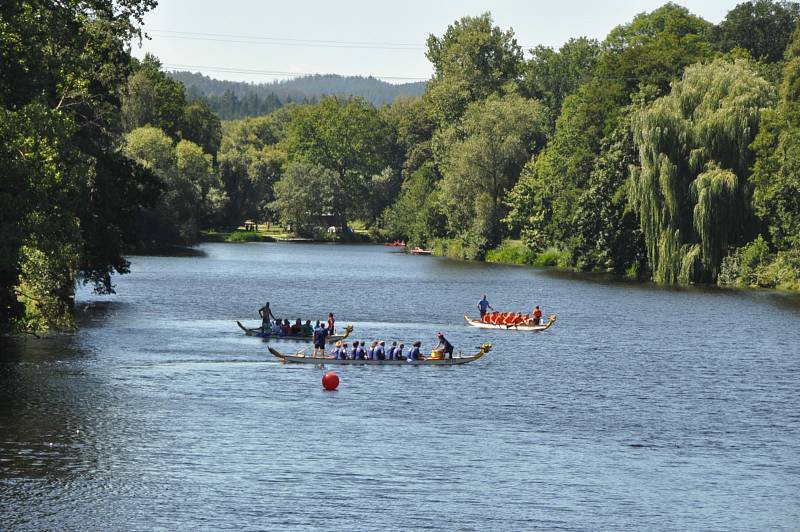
pixel 330 381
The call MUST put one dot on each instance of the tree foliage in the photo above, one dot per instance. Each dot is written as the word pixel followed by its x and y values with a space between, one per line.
pixel 67 195
pixel 472 60
pixel 692 193
pixel 762 27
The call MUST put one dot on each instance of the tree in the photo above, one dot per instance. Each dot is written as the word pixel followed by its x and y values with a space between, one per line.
pixel 187 179
pixel 654 49
pixel 418 214
pixel 200 125
pixel 776 175
pixel 552 76
pixel 67 195
pixel 348 137
pixel 482 158
pixel 762 27
pixel 691 192
pixel 472 60
pixel 307 198
pixel 251 160
pixel 152 98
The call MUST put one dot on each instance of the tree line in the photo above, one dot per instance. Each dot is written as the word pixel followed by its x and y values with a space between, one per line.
pixel 669 150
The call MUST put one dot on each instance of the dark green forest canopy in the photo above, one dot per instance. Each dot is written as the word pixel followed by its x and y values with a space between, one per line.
pixel 67 196
pixel 667 150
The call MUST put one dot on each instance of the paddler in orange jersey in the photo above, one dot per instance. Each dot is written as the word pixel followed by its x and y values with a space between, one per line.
pixel 537 315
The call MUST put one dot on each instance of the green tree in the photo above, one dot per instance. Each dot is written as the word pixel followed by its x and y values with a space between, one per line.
pixel 307 198
pixel 67 195
pixel 251 160
pixel 472 60
pixel 692 193
pixel 482 158
pixel 152 98
pixel 776 175
pixel 350 138
pixel 762 27
pixel 551 76
pixel 200 125
pixel 418 214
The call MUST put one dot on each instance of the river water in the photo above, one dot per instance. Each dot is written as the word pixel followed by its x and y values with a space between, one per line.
pixel 641 408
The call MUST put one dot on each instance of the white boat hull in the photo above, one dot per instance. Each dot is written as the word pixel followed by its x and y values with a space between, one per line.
pixel 533 328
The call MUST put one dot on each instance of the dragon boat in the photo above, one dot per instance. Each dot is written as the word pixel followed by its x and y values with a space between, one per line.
pixel 256 331
pixel 302 358
pixel 521 327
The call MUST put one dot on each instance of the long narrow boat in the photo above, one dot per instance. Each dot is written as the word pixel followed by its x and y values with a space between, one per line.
pixel 302 358
pixel 256 331
pixel 537 328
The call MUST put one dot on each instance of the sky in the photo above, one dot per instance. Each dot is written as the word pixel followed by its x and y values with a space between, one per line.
pixel 260 41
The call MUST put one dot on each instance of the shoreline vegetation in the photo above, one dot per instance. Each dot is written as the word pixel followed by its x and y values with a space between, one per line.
pixel 668 151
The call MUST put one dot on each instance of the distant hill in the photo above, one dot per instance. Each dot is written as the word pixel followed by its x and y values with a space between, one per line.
pixel 236 99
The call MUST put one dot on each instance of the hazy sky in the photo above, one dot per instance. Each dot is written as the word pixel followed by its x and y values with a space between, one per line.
pixel 251 40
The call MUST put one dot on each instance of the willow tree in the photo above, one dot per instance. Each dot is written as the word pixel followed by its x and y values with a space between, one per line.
pixel 692 191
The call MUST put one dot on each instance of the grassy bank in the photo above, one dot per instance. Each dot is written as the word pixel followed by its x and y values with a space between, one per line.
pixel 515 252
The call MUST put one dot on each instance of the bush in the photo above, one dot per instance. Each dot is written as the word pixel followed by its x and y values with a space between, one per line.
pixel 243 236
pixel 511 252
pixel 552 257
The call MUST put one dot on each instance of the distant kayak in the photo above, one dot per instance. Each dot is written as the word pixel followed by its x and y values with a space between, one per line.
pixel 302 358
pixel 537 328
pixel 256 331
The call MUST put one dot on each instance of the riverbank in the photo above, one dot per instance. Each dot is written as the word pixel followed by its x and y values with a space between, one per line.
pixel 276 233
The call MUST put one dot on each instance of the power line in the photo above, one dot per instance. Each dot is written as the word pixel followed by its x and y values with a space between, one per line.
pixel 282 41
pixel 233 70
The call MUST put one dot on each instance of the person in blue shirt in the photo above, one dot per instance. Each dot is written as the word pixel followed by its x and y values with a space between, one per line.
pixel 320 335
pixel 341 352
pixel 362 353
pixel 483 305
pixel 390 351
pixel 371 351
pixel 398 353
pixel 380 353
pixel 414 353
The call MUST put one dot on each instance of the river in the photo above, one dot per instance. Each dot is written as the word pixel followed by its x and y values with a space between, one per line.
pixel 643 407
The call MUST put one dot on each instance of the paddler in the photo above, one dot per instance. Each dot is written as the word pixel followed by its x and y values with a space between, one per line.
pixel 380 351
pixel 414 353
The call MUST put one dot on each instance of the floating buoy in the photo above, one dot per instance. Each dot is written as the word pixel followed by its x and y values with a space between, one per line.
pixel 330 381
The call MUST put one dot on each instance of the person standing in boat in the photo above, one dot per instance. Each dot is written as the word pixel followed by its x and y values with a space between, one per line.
pixel 444 347
pixel 537 315
pixel 266 313
pixel 483 305
pixel 331 323
pixel 320 335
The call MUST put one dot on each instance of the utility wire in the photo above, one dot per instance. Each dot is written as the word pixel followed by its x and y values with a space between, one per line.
pixel 282 41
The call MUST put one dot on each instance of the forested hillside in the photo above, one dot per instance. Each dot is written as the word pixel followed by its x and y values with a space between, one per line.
pixel 230 99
